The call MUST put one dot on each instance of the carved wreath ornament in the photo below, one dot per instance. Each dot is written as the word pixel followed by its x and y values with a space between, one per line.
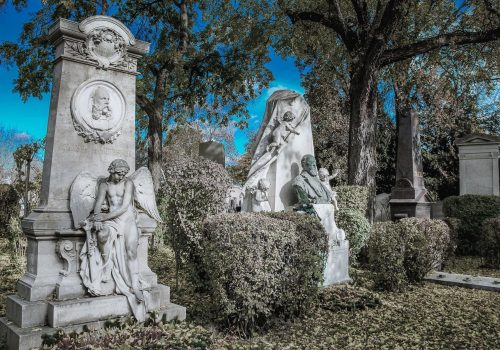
pixel 106 47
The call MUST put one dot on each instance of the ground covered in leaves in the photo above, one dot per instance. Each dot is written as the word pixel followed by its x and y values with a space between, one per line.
pixel 428 316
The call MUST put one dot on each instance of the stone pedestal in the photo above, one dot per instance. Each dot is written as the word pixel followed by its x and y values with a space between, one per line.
pixel 409 197
pixel 479 159
pixel 91 123
pixel 337 262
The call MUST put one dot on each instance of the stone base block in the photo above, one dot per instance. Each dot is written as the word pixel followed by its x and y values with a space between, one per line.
pixel 406 208
pixel 26 313
pixel 466 281
pixel 27 338
pixel 337 265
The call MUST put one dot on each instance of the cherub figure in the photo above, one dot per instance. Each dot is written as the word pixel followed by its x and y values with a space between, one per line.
pixel 260 201
pixel 281 132
pixel 325 177
pixel 113 266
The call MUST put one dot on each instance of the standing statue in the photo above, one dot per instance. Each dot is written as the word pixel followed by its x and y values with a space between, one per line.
pixel 325 177
pixel 109 262
pixel 260 200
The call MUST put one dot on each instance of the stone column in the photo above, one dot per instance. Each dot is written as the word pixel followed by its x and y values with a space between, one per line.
pixel 409 197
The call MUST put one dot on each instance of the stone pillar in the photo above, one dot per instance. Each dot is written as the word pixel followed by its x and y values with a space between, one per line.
pixel 409 197
pixel 91 123
pixel 479 156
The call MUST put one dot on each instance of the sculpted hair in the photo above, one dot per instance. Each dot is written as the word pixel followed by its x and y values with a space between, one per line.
pixel 118 165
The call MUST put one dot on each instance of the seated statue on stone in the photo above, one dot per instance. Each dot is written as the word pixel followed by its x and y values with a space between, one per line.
pixel 280 134
pixel 308 187
pixel 105 209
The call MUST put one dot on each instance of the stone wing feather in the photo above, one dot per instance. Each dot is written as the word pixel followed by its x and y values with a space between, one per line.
pixel 82 195
pixel 144 192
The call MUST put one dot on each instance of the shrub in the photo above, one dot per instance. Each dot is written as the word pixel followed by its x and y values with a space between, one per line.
pixel 405 251
pixel 262 267
pixel 357 229
pixel 352 197
pixel 193 190
pixel 9 207
pixel 489 243
pixel 472 210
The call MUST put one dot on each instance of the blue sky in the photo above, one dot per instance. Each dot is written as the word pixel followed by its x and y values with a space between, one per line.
pixel 31 117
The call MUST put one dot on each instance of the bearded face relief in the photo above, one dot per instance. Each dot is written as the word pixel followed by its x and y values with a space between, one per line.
pixel 100 104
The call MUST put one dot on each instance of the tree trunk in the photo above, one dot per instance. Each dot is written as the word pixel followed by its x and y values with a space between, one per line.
pixel 362 157
pixel 155 144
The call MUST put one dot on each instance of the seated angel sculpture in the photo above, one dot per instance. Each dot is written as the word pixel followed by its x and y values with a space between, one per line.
pixel 105 209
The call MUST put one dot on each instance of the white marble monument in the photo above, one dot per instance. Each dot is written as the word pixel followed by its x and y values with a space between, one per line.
pixel 283 139
pixel 479 158
pixel 91 124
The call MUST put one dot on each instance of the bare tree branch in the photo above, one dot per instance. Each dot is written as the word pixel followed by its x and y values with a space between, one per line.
pixel 436 42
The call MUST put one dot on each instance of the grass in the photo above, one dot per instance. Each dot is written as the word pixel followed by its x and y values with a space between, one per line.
pixel 427 316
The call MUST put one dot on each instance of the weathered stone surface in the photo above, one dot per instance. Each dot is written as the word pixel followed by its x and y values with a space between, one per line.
pixel 213 151
pixel 478 156
pixel 409 191
pixel 466 281
pixel 278 160
pixel 26 313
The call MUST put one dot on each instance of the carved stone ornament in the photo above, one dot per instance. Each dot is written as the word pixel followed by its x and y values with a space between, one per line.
pixel 105 46
pixel 98 110
pixel 66 250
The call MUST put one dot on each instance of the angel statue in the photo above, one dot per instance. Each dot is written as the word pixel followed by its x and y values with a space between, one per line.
pixel 105 208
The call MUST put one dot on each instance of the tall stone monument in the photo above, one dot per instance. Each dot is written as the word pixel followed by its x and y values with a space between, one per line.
pixel 284 137
pixel 409 197
pixel 91 125
pixel 479 158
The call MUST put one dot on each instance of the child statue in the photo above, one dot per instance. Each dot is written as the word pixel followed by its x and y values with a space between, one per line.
pixel 325 177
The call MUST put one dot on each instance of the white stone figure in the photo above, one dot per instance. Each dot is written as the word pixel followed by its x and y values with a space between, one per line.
pixel 325 177
pixel 284 137
pixel 109 261
pixel 100 104
pixel 281 132
pixel 260 201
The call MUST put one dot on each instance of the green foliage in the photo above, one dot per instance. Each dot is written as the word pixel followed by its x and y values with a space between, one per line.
pixel 347 298
pixel 130 335
pixel 9 207
pixel 194 188
pixel 489 243
pixel 405 251
pixel 262 267
pixel 472 210
pixel 352 197
pixel 357 229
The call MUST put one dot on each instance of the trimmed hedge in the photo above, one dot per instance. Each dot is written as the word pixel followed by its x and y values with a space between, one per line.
pixel 261 267
pixel 472 210
pixel 352 197
pixel 357 229
pixel 489 243
pixel 404 251
pixel 9 207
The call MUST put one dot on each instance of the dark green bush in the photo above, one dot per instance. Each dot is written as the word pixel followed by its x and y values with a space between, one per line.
pixel 9 207
pixel 262 267
pixel 405 251
pixel 193 190
pixel 357 229
pixel 489 243
pixel 472 210
pixel 352 197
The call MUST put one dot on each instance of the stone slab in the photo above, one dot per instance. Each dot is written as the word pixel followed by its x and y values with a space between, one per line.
pixel 213 151
pixel 26 313
pixel 337 267
pixel 27 338
pixel 467 281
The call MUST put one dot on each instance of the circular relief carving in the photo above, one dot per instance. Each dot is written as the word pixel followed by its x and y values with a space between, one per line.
pixel 98 110
pixel 106 46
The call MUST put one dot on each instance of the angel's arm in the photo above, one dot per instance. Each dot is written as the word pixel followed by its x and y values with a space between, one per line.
pixel 126 202
pixel 101 196
pixel 290 128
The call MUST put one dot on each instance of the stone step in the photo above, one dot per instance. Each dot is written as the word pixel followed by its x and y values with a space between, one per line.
pixel 27 338
pixel 467 281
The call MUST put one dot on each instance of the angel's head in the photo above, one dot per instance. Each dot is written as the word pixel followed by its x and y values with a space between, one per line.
pixel 288 116
pixel 323 174
pixel 118 169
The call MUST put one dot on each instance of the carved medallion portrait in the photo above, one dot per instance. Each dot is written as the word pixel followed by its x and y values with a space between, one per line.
pixel 98 110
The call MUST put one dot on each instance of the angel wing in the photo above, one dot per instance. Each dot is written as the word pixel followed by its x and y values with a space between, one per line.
pixel 82 195
pixel 144 192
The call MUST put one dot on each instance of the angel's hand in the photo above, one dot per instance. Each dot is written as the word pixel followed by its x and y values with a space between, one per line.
pixel 98 225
